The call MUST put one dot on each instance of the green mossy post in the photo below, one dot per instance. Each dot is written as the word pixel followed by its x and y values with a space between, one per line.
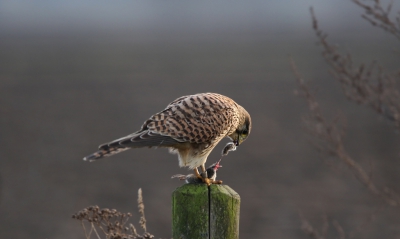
pixel 202 212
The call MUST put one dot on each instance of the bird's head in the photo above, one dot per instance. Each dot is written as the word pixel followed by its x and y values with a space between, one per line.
pixel 243 130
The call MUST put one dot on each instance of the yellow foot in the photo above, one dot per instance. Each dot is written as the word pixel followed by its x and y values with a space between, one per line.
pixel 217 182
pixel 207 181
pixel 210 181
pixel 204 178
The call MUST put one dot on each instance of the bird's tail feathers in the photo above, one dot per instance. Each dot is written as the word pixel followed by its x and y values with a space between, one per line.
pixel 138 139
pixel 104 152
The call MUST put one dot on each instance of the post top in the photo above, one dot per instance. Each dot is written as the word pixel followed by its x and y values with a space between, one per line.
pixel 195 189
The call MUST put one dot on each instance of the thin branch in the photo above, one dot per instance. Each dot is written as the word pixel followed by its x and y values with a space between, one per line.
pixel 112 222
pixel 133 230
pixel 366 84
pixel 308 228
pixel 339 229
pixel 94 229
pixel 330 136
pixel 325 226
pixel 378 16
pixel 84 229
pixel 142 220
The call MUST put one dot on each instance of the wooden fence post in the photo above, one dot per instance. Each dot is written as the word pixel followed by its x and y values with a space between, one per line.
pixel 202 212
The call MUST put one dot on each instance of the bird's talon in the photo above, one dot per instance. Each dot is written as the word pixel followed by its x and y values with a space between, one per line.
pixel 217 182
pixel 207 181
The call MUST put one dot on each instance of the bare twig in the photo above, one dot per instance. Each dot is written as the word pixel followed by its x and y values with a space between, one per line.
pixel 330 137
pixel 378 16
pixel 325 226
pixel 339 229
pixel 307 228
pixel 367 221
pixel 94 229
pixel 142 220
pixel 366 84
pixel 315 233
pixel 112 223
pixel 133 230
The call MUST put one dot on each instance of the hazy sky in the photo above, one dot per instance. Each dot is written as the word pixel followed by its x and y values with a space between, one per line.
pixel 176 15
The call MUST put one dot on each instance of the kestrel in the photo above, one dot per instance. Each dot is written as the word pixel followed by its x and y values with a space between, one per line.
pixel 190 126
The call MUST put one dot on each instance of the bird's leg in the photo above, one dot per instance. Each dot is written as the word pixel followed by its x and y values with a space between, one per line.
pixel 196 172
pixel 205 179
pixel 203 167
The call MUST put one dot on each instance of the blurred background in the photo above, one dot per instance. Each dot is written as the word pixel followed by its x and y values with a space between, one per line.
pixel 75 74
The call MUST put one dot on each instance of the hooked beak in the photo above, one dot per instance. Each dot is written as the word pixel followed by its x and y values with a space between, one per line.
pixel 238 141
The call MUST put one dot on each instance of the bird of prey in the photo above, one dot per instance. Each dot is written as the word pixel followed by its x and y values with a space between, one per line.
pixel 190 126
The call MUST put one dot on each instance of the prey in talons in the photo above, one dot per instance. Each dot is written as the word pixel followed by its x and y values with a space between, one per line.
pixel 208 176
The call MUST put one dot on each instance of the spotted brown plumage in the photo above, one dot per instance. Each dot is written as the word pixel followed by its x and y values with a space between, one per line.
pixel 190 126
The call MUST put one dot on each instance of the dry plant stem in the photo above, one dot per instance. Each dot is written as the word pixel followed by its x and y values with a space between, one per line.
pixel 325 226
pixel 84 229
pixel 105 224
pixel 339 229
pixel 133 230
pixel 315 234
pixel 111 222
pixel 142 220
pixel 306 227
pixel 361 227
pixel 330 136
pixel 378 16
pixel 366 84
pixel 94 229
